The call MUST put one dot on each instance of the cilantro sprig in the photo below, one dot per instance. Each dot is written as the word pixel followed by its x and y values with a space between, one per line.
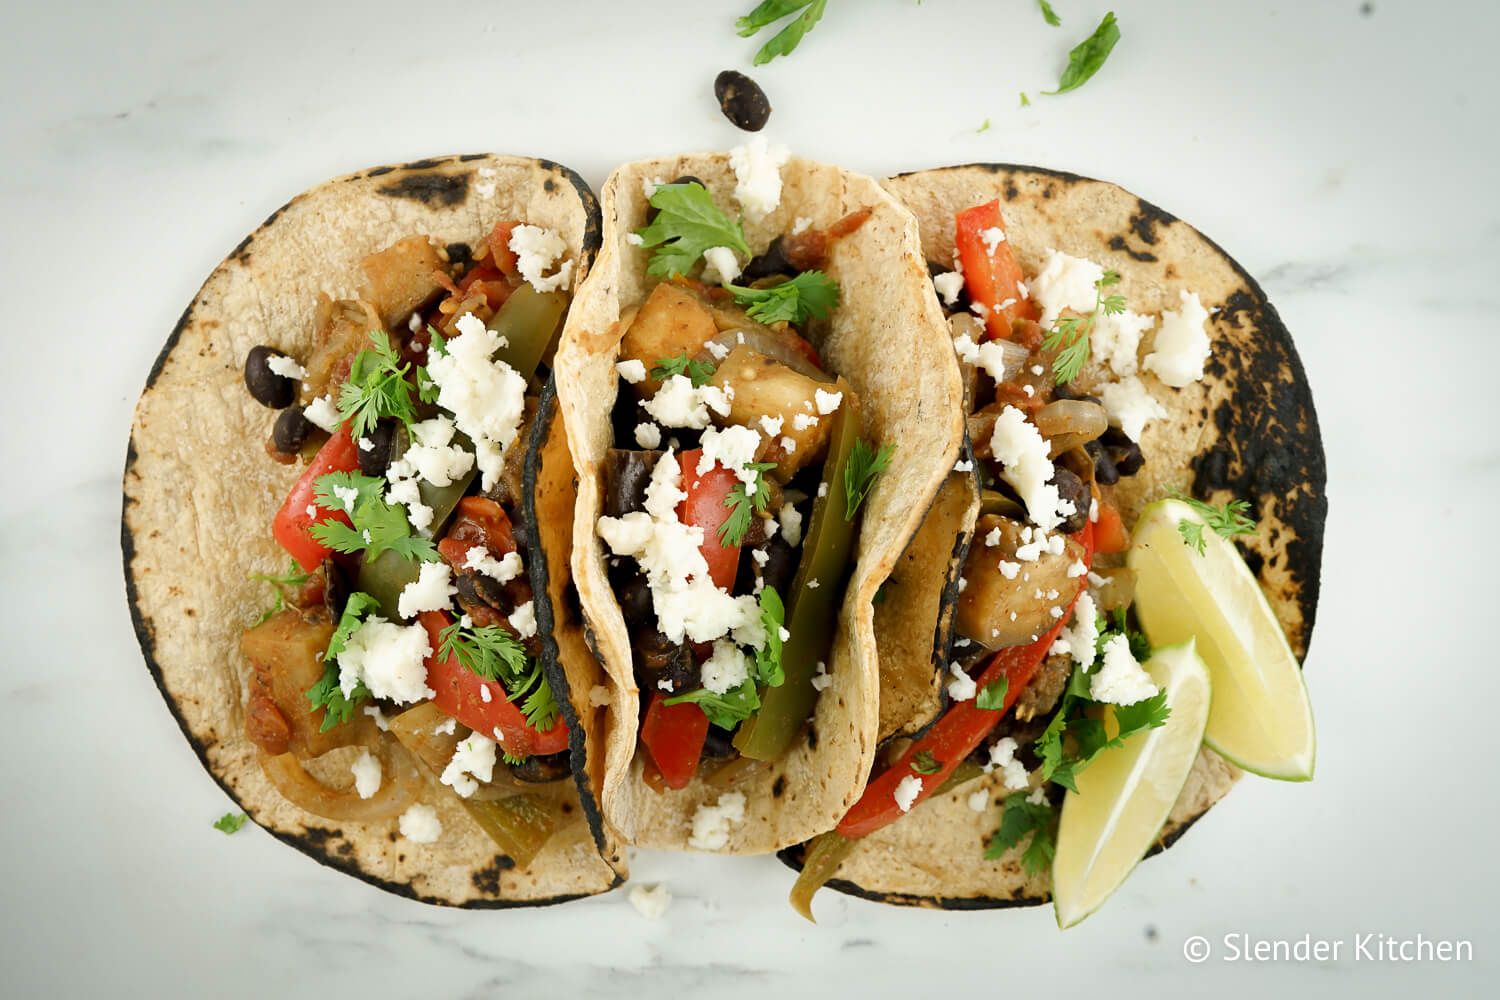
pixel 293 577
pixel 377 525
pixel 734 706
pixel 745 502
pixel 991 697
pixel 377 387
pixel 768 669
pixel 1022 819
pixel 923 762
pixel 230 822
pixel 1089 55
pixel 725 710
pixel 789 37
pixel 687 223
pixel 1228 520
pixel 1069 335
pixel 865 463
pixel 326 692
pixel 1076 734
pixel 493 653
pixel 697 372
pixel 810 295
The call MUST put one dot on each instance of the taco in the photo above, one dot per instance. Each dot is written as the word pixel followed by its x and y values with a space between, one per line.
pixel 1112 356
pixel 346 532
pixel 761 410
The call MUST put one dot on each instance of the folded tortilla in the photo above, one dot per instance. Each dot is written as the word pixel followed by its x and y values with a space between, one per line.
pixel 200 493
pixel 1249 428
pixel 889 339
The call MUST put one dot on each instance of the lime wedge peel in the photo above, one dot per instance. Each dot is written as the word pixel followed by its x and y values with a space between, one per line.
pixel 1125 796
pixel 1262 718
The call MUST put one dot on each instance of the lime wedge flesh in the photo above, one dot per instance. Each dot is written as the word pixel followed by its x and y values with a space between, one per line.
pixel 1261 718
pixel 1125 795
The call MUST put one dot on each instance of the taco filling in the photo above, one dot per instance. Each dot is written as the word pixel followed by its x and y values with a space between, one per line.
pixel 733 490
pixel 405 626
pixel 1045 672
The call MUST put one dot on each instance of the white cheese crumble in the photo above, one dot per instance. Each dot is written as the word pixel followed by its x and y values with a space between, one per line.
pixel 948 285
pixel 286 367
pixel 712 823
pixel 1022 453
pixel 907 791
pixel 802 421
pixel 789 445
pixel 992 238
pixel 720 266
pixel 1131 406
pixel 725 669
pixel 827 402
pixel 448 726
pixel 989 356
pixel 485 695
pixel 389 659
pixel 1120 680
pixel 486 396
pixel 650 901
pixel 648 435
pixel 1013 772
pixel 979 801
pixel 432 456
pixel 821 678
pixel 1116 339
pixel 428 592
pixel 963 465
pixel 649 186
pixel 962 686
pixel 501 570
pixel 523 620
pixel 678 404
pixel 538 251
pixel 790 519
pixel 801 225
pixel 732 447
pixel 599 696
pixel 1182 344
pixel 486 186
pixel 993 537
pixel 374 712
pixel 1079 639
pixel 771 425
pixel 632 371
pixel 366 771
pixel 757 174
pixel 321 413
pixel 420 824
pixel 473 761
pixel 635 239
pixel 1066 282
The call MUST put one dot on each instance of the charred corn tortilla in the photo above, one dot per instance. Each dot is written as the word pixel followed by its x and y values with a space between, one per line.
pixel 889 340
pixel 199 493
pixel 1247 430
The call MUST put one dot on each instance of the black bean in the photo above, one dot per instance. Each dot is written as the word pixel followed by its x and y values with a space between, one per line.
pixel 459 255
pixel 1070 487
pixel 479 589
pixel 635 603
pixel 659 658
pixel 1124 452
pixel 719 744
pixel 540 770
pixel 626 476
pixel 374 460
pixel 770 264
pixel 1105 472
pixel 742 100
pixel 781 565
pixel 268 388
pixel 290 431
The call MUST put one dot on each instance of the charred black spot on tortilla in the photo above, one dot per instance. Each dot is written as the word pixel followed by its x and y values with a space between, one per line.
pixel 567 808
pixel 1147 217
pixel 1011 191
pixel 429 188
pixel 471 157
pixel 345 848
pixel 190 612
pixel 1253 560
pixel 1117 243
pixel 549 185
pixel 812 736
pixel 427 164
pixel 778 786
pixel 380 171
pixel 1048 191
pixel 241 251
pixel 487 879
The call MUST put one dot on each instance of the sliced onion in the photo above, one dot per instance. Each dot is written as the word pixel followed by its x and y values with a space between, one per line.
pixel 398 786
pixel 765 341
pixel 1070 423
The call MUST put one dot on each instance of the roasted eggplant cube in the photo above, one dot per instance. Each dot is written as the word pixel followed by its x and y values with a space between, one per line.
pixel 998 610
pixel 763 387
pixel 671 322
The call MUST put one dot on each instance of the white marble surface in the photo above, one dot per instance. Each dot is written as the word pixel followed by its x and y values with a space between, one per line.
pixel 1346 160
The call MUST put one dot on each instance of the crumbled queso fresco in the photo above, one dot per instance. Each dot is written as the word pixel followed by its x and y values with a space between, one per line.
pixel 713 823
pixel 420 824
pixel 389 659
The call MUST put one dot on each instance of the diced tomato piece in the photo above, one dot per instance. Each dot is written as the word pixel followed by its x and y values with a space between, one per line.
pixel 301 510
pixel 705 508
pixel 992 279
pixel 673 736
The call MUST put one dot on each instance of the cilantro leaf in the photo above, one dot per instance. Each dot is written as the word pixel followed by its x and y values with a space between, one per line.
pixel 1020 820
pixel 925 763
pixel 790 36
pixel 768 668
pixel 865 463
pixel 377 525
pixel 810 295
pixel 293 577
pixel 1233 518
pixel 687 223
pixel 493 653
pixel 697 372
pixel 745 502
pixel 991 697
pixel 377 388
pixel 725 710
pixel 1025 101
pixel 1088 56
pixel 230 822
pixel 983 127
pixel 326 693
pixel 1048 14
pixel 1069 335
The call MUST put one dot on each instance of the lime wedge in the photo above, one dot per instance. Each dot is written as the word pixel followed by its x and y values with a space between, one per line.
pixel 1261 719
pixel 1124 796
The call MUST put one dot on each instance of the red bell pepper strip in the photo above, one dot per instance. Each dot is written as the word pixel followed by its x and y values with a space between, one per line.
pixel 705 508
pixel 673 735
pixel 1110 536
pixel 301 510
pixel 458 695
pixel 962 728
pixel 991 278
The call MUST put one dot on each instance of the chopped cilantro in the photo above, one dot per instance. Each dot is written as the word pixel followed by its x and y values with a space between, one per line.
pixel 789 37
pixel 493 653
pixel 697 372
pixel 230 822
pixel 865 463
pixel 1020 820
pixel 327 693
pixel 925 763
pixel 768 668
pixel 1233 518
pixel 745 502
pixel 725 710
pixel 293 577
pixel 687 223
pixel 377 525
pixel 377 387
pixel 991 697
pixel 1048 14
pixel 810 295
pixel 1069 335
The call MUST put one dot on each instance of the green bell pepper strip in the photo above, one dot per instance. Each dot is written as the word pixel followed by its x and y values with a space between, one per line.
pixel 827 546
pixel 529 321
